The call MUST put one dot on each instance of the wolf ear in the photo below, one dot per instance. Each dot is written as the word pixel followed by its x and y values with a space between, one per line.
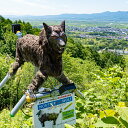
pixel 47 28
pixel 63 25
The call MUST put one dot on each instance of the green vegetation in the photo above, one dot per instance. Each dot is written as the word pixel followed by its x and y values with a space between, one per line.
pixel 102 77
pixel 20 120
pixel 100 44
pixel 8 39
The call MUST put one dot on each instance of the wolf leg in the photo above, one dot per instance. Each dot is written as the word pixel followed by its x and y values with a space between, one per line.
pixel 37 81
pixel 63 79
pixel 15 66
pixel 19 61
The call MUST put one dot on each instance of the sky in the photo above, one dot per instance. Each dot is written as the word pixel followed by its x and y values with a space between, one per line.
pixel 55 7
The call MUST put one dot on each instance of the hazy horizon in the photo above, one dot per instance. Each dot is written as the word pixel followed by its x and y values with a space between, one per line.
pixel 65 13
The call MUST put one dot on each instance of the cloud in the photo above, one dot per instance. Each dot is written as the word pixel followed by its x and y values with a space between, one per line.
pixel 25 7
pixel 37 3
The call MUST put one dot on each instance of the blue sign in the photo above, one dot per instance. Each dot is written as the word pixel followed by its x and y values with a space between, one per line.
pixel 54 103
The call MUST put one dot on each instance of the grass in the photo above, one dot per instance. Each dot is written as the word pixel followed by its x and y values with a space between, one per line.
pixel 19 121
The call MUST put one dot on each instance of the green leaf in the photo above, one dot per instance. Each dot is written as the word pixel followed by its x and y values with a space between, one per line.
pixel 123 112
pixel 122 104
pixel 124 122
pixel 68 126
pixel 107 122
pixel 110 120
pixel 79 121
pixel 107 113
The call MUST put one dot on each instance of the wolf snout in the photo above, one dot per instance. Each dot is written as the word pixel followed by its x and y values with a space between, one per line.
pixel 61 43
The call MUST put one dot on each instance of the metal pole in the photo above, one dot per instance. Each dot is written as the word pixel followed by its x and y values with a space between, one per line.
pixel 79 94
pixel 4 80
pixel 28 98
pixel 18 106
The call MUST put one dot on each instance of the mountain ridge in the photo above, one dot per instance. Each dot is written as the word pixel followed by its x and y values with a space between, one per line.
pixel 120 16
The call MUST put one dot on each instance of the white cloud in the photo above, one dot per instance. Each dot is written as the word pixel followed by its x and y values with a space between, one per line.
pixel 24 7
pixel 32 3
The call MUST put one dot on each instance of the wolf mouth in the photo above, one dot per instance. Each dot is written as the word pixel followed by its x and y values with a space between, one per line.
pixel 61 50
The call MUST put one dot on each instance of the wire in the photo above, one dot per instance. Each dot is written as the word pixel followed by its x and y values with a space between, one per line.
pixel 25 113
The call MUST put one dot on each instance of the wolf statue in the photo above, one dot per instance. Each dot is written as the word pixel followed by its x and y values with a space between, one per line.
pixel 43 51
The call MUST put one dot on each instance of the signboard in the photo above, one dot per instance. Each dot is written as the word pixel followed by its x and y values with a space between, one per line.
pixel 54 112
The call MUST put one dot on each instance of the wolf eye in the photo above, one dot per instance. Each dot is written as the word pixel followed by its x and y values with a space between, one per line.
pixel 62 34
pixel 54 35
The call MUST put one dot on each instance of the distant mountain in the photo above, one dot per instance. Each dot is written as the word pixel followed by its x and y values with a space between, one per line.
pixel 120 16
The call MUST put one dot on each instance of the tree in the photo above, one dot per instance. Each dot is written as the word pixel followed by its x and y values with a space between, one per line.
pixel 77 50
pixel 109 59
pixel 8 39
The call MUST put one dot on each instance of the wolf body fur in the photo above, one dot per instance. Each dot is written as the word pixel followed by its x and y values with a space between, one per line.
pixel 43 51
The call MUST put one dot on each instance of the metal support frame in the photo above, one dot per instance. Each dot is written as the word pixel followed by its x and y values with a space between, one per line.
pixel 4 80
pixel 64 89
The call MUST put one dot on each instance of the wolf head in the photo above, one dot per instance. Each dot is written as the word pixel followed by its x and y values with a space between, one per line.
pixel 56 37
